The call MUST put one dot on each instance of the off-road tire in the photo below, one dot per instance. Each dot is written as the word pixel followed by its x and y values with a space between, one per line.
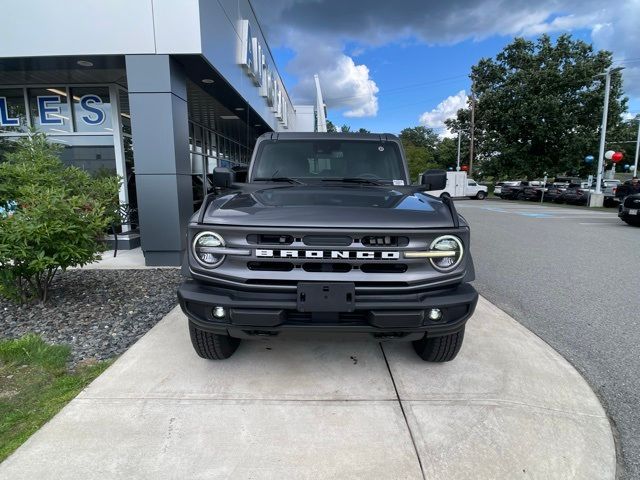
pixel 211 345
pixel 439 349
pixel 520 196
pixel 481 195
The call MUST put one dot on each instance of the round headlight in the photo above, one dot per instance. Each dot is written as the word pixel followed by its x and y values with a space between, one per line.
pixel 205 245
pixel 452 253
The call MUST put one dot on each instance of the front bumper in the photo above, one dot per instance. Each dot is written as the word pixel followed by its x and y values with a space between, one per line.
pixel 250 314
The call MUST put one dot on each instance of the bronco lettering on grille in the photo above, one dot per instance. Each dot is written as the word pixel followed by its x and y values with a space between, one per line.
pixel 335 254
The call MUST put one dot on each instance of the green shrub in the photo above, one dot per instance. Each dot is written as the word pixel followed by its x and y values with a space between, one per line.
pixel 61 213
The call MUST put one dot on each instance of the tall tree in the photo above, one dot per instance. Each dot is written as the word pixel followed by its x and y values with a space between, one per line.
pixel 419 136
pixel 363 130
pixel 345 128
pixel 331 127
pixel 419 144
pixel 539 106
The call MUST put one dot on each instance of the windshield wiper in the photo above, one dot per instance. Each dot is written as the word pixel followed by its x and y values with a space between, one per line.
pixel 364 181
pixel 278 179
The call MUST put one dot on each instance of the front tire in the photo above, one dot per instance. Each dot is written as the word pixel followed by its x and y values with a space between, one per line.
pixel 439 349
pixel 211 345
pixel 481 195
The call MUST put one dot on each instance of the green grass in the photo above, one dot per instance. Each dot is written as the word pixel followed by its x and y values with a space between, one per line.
pixel 34 385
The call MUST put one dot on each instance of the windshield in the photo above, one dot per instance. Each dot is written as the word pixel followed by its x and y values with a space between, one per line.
pixel 329 159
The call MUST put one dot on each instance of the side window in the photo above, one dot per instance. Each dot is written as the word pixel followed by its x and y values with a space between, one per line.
pixel 472 183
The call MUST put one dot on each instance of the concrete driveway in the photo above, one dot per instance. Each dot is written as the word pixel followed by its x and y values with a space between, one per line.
pixel 507 407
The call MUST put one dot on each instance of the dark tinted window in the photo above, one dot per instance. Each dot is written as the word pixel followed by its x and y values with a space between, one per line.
pixel 308 159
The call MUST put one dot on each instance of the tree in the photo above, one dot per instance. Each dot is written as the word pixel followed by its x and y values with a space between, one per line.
pixel 363 130
pixel 419 144
pixel 331 127
pixel 419 136
pixel 52 217
pixel 539 107
pixel 345 128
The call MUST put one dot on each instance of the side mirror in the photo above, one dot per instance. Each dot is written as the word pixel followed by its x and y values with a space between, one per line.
pixel 434 179
pixel 223 177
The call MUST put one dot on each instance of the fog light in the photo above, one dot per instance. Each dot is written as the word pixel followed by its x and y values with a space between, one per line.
pixel 435 314
pixel 218 312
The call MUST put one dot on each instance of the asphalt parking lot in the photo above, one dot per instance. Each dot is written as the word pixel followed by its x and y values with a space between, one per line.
pixel 571 275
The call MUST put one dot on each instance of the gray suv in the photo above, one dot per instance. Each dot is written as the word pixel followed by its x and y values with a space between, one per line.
pixel 327 235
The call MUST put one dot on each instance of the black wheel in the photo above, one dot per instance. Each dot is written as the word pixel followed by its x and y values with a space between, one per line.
pixel 520 196
pixel 445 195
pixel 439 349
pixel 481 195
pixel 211 345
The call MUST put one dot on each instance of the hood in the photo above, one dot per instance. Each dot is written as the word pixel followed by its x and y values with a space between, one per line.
pixel 340 206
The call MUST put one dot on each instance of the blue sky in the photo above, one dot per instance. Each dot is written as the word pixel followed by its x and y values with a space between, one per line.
pixel 389 69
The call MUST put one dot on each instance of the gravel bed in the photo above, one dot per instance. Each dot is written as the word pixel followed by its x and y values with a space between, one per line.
pixel 98 313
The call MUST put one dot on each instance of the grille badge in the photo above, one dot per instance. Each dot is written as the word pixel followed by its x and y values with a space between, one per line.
pixel 333 254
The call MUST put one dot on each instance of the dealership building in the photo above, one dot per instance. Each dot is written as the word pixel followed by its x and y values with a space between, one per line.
pixel 158 91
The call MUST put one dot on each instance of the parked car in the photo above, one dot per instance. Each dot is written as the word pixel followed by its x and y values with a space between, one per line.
pixel 510 190
pixel 322 247
pixel 629 210
pixel 555 192
pixel 534 193
pixel 609 188
pixel 497 189
pixel 515 190
pixel 577 194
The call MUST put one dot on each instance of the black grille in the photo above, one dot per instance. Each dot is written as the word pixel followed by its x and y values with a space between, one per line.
pixel 352 318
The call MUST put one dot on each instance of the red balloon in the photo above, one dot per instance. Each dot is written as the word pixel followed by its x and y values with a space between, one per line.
pixel 616 157
pixel 465 168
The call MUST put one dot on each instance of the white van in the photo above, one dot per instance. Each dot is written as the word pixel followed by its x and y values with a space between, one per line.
pixel 459 186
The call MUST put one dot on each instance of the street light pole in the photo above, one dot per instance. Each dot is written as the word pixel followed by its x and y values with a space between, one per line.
pixel 635 165
pixel 603 135
pixel 458 160
pixel 603 130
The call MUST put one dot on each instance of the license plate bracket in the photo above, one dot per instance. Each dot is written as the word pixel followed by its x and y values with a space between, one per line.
pixel 326 297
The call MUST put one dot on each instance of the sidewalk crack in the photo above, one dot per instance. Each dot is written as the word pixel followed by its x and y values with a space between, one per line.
pixel 404 414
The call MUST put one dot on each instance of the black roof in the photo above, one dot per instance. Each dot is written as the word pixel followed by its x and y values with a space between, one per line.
pixel 328 136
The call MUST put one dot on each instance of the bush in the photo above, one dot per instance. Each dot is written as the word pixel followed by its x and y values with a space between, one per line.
pixel 54 218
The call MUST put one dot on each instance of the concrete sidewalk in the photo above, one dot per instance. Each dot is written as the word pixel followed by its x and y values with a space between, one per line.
pixel 507 407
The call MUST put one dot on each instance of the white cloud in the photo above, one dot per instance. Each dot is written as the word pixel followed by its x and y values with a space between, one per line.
pixel 565 23
pixel 323 32
pixel 448 108
pixel 345 85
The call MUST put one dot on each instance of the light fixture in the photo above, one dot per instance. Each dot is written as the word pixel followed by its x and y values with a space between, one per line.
pixel 206 249
pixel 85 63
pixel 239 109
pixel 257 125
pixel 219 312
pixel 229 117
pixel 435 314
pixel 207 80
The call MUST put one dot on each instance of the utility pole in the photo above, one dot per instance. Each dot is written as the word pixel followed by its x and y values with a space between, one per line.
pixel 473 129
pixel 597 199
pixel 635 164
pixel 458 160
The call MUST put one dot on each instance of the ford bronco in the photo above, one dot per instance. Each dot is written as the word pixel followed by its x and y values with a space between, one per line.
pixel 327 234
